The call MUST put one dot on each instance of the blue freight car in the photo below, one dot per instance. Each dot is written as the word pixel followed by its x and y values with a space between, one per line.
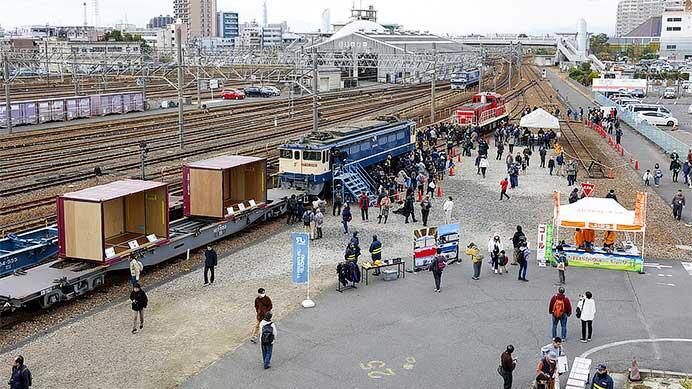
pixel 18 252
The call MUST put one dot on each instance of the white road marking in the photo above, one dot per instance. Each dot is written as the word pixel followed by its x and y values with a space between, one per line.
pixel 586 353
pixel 660 283
pixel 688 267
pixel 664 275
pixel 657 266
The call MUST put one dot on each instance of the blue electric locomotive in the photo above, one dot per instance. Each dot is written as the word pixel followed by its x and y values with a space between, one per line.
pixel 307 163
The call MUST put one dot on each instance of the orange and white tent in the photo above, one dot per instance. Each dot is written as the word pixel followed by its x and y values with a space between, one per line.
pixel 601 214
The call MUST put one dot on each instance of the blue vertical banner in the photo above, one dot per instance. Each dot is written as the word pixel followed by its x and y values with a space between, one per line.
pixel 301 249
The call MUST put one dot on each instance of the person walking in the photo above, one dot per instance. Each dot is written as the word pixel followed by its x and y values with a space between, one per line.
pixel 675 167
pixel 210 260
pixel 448 207
pixel 602 380
pixel 437 266
pixel 658 174
pixel 139 301
pixel 364 204
pixel 20 378
pixel 586 311
pixel 476 260
pixel 678 204
pixel 136 268
pixel 560 309
pixel 263 305
pixel 483 164
pixel 494 250
pixel 561 260
pixel 318 219
pixel 542 152
pixel 503 188
pixel 618 135
pixel 524 255
pixel 507 366
pixel 409 209
pixel 571 173
pixel 425 207
pixel 267 339
pixel 560 161
pixel 517 240
pixel 551 165
pixel 346 217
pixel 385 205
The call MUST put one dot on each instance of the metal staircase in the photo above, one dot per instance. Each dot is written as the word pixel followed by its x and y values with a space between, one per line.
pixel 355 180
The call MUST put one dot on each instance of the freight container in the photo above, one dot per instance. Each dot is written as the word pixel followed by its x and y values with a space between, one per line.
pixel 71 108
pixel 44 114
pixel 223 186
pixel 29 112
pixel 107 223
pixel 117 103
pixel 57 110
pixel 84 109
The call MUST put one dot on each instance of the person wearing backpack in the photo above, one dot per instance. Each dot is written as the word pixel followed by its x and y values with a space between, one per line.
pixel 586 310
pixel 560 309
pixel 21 375
pixel 267 339
pixel 307 220
pixel 437 266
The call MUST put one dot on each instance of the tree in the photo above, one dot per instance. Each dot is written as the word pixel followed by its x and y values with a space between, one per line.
pixel 599 43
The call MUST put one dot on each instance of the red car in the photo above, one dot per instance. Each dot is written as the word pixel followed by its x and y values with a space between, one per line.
pixel 232 94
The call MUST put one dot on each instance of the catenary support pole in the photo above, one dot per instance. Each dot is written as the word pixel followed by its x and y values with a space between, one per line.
pixel 511 59
pixel 179 48
pixel 432 89
pixel 315 117
pixel 8 103
pixel 199 89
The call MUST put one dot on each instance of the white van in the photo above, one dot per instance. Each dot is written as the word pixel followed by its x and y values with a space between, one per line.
pixel 636 108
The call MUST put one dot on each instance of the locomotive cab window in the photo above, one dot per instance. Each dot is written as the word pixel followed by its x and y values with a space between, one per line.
pixel 296 155
pixel 325 156
pixel 287 154
pixel 311 156
pixel 400 135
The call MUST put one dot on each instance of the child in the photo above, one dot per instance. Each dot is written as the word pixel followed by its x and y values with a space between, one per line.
pixel 647 178
pixel 658 174
pixel 502 262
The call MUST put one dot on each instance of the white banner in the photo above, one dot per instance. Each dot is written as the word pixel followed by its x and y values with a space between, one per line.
pixel 540 243
pixel 616 84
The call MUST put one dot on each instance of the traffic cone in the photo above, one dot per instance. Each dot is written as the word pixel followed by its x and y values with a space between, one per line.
pixel 622 151
pixel 459 157
pixel 610 141
pixel 439 191
pixel 420 196
pixel 636 165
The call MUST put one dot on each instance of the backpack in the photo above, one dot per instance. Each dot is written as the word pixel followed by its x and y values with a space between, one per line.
pixel 441 264
pixel 267 334
pixel 558 308
pixel 307 217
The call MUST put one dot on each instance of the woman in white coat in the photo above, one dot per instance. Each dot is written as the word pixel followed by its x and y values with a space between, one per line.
pixel 587 311
pixel 494 248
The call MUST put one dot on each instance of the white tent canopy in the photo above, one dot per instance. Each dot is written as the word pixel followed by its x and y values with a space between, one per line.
pixel 597 213
pixel 539 119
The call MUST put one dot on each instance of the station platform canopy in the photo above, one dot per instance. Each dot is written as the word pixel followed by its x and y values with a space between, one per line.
pixel 539 119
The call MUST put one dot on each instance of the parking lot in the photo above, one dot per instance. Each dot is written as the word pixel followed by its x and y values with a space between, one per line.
pixel 678 107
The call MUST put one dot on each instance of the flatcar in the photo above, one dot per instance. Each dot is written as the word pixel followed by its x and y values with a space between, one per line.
pixel 307 163
pixel 486 110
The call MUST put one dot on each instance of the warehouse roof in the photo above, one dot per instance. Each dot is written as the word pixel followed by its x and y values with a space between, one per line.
pixel 223 162
pixel 113 190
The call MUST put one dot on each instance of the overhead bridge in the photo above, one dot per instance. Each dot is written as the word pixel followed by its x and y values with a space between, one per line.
pixel 535 41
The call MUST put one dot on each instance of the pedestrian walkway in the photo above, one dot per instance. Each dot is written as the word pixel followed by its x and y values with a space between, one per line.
pixel 645 152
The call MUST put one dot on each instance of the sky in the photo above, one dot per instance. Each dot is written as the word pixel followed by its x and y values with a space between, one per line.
pixel 436 16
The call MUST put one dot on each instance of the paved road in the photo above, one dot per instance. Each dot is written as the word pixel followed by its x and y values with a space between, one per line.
pixel 647 153
pixel 401 334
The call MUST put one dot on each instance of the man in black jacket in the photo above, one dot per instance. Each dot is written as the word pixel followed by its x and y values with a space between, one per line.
pixel 516 242
pixel 139 301
pixel 210 260
pixel 21 376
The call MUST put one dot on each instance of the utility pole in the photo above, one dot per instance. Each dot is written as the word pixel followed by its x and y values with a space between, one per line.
pixel 432 88
pixel 75 81
pixel 511 51
pixel 8 103
pixel 179 49
pixel 480 75
pixel 145 73
pixel 143 151
pixel 199 91
pixel 315 118
pixel 45 48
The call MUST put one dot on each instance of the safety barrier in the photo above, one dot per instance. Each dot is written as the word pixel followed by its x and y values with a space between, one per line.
pixel 659 137
pixel 613 143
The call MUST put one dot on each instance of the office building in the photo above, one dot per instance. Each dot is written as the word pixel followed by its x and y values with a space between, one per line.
pixel 199 17
pixel 227 24
pixel 160 21
pixel 676 30
pixel 632 13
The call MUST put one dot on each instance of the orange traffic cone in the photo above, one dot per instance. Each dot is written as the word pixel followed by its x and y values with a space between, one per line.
pixel 459 157
pixel 439 191
pixel 622 151
pixel 610 140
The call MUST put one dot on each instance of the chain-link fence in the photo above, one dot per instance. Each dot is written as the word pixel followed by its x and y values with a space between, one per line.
pixel 661 138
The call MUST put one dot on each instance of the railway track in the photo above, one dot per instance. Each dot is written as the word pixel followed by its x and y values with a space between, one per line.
pixel 449 100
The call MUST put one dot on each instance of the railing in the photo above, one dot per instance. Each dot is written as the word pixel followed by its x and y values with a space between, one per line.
pixel 659 137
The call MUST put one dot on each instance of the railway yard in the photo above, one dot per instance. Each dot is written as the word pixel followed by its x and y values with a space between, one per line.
pixel 183 343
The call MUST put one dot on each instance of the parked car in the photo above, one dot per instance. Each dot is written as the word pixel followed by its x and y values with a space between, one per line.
pixel 271 91
pixel 636 108
pixel 657 119
pixel 254 91
pixel 638 93
pixel 669 93
pixel 232 94
pixel 623 102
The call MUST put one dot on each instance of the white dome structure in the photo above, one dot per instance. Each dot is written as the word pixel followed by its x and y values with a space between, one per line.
pixel 358 26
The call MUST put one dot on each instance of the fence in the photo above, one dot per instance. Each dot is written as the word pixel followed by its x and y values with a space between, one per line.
pixel 659 137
